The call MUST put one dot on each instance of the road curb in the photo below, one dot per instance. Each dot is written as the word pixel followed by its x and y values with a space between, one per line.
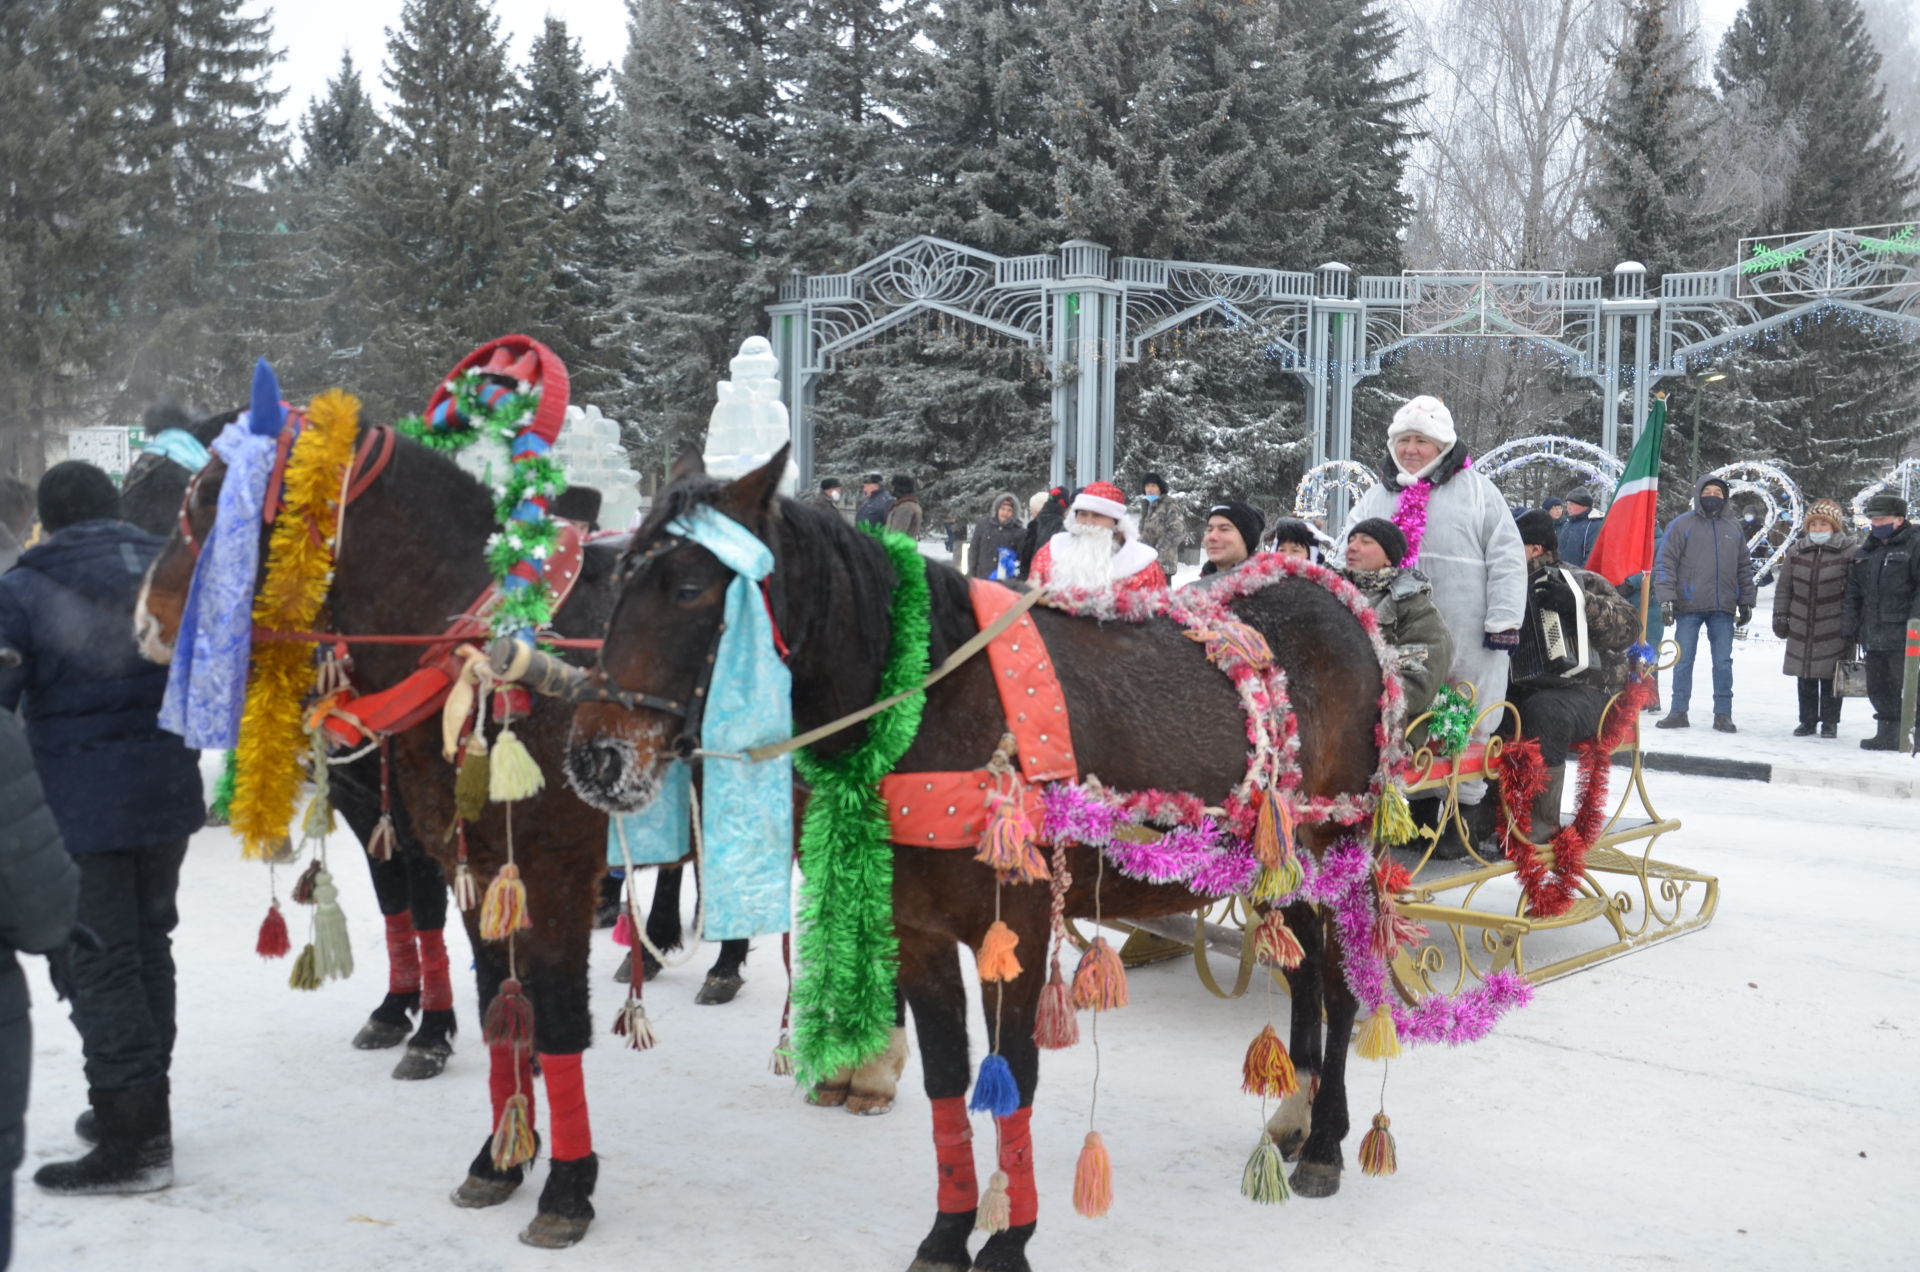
pixel 1777 774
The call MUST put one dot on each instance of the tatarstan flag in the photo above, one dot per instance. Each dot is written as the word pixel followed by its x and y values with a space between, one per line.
pixel 1625 545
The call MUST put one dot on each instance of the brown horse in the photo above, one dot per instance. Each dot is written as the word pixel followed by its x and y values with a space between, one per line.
pixel 1146 710
pixel 411 556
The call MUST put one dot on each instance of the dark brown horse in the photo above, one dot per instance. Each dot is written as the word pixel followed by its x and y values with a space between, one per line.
pixel 410 558
pixel 1147 711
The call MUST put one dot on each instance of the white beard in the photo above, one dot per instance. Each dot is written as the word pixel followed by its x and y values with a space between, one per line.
pixel 1085 561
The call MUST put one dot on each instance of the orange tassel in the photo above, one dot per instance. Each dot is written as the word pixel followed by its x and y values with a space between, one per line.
pixel 1274 943
pixel 996 960
pixel 1379 1155
pixel 1054 1025
pixel 504 911
pixel 1100 982
pixel 1093 1178
pixel 1008 845
pixel 1268 1069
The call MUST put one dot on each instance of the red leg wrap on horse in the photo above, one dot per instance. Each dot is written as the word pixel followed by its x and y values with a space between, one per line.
pixel 953 1150
pixel 436 982
pixel 567 1107
pixel 1016 1159
pixel 500 1079
pixel 403 960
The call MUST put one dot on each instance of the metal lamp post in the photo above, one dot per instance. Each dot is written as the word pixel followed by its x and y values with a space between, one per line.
pixel 1693 470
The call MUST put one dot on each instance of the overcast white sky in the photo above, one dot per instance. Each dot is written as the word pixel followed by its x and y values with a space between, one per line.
pixel 313 33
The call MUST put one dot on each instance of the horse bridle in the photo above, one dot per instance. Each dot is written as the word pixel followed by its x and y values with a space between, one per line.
pixel 370 459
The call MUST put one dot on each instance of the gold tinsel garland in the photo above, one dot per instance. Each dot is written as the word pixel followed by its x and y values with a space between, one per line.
pixel 299 571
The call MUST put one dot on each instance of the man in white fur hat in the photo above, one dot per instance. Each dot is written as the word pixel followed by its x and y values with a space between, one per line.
pixel 1462 537
pixel 1100 549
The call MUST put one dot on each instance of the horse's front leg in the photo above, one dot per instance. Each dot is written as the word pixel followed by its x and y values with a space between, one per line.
pixel 561 896
pixel 1011 1008
pixel 1318 1174
pixel 1292 1122
pixel 510 1070
pixel 931 981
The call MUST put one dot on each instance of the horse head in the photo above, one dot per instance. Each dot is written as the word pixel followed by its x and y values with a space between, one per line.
pixel 641 704
pixel 163 595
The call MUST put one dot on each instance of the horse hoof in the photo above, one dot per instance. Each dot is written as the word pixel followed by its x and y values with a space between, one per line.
pixel 1316 1179
pixel 869 1103
pixel 422 1062
pixel 649 965
pixel 554 1232
pixel 477 1192
pixel 720 988
pixel 937 1265
pixel 827 1097
pixel 624 973
pixel 378 1035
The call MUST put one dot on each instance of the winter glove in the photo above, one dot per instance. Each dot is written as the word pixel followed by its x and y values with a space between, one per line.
pixel 1502 642
pixel 1742 615
pixel 1666 613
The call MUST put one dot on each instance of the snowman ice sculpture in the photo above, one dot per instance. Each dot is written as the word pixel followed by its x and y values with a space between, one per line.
pixel 749 421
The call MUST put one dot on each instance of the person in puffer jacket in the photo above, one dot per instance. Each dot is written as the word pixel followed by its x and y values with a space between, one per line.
pixel 1703 577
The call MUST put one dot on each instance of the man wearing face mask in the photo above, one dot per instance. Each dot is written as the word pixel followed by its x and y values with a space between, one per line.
pixel 1883 592
pixel 1704 578
pixel 1163 526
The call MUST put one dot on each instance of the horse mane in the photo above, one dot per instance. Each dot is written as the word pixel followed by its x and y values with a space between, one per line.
pixel 811 545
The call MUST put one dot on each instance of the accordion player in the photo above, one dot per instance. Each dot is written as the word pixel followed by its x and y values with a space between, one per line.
pixel 1554 643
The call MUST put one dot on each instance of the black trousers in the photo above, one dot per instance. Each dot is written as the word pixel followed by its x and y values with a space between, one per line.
pixel 1817 702
pixel 1558 716
pixel 1883 683
pixel 122 996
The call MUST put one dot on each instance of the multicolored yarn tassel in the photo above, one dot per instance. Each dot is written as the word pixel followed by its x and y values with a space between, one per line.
pixel 1054 1026
pixel 1100 982
pixel 1268 844
pixel 302 893
pixel 509 1018
pixel 1392 820
pixel 1093 1178
pixel 304 974
pixel 1008 846
pixel 512 772
pixel 273 941
pixel 504 911
pixel 994 1090
pixel 1274 943
pixel 1265 1178
pixel 635 1025
pixel 471 780
pixel 1379 1039
pixel 995 1212
pixel 1378 1153
pixel 513 1138
pixel 1268 1069
pixel 997 961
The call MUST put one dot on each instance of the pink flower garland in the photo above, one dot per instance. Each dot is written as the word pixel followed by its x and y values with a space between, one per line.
pixel 1410 514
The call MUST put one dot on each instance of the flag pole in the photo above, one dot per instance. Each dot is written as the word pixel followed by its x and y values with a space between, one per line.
pixel 1653 532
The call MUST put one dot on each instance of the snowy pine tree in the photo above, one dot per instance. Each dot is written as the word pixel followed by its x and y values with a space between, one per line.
pixel 336 130
pixel 1836 404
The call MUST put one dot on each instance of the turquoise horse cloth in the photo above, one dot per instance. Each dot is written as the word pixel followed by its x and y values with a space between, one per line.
pixel 746 809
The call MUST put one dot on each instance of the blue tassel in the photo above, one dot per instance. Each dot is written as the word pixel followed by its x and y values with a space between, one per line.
pixel 1642 653
pixel 995 1091
pixel 264 415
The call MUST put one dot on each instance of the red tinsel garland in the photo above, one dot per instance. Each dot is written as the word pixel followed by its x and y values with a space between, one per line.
pixel 1523 775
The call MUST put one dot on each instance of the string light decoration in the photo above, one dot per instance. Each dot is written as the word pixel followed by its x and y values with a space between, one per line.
pixel 1903 478
pixel 1592 465
pixel 1317 484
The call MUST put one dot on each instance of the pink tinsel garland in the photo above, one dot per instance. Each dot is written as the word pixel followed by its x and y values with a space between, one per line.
pixel 1410 514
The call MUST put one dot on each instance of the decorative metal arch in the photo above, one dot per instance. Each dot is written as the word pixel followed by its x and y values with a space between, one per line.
pixel 1903 478
pixel 1311 497
pixel 1782 498
pixel 1090 312
pixel 1595 466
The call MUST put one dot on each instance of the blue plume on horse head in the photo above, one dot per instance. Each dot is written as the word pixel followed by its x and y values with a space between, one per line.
pixel 265 416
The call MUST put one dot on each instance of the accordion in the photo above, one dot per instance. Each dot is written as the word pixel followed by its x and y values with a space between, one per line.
pixel 1553 637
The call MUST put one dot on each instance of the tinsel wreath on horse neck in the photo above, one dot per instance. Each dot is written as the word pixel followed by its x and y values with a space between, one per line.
pixel 413 549
pixel 1149 812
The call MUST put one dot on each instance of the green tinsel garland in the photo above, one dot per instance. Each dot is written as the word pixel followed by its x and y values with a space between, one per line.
pixel 848 954
pixel 223 789
pixel 517 541
pixel 1451 722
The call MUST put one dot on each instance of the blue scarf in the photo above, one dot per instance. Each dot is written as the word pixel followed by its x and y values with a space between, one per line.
pixel 207 679
pixel 746 809
pixel 180 446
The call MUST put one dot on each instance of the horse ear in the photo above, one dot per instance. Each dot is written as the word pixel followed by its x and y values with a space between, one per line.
pixel 687 463
pixel 753 494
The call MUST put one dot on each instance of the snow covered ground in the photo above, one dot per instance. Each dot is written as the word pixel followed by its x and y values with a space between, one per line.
pixel 1739 1097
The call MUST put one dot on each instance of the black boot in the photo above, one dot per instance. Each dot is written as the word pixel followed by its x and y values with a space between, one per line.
pixel 1804 729
pixel 1885 738
pixel 1672 720
pixel 1546 805
pixel 135 1153
pixel 1723 724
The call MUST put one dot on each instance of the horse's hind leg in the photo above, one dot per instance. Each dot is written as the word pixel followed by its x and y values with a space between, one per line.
pixel 563 1029
pixel 1318 1174
pixel 390 1022
pixel 664 927
pixel 930 980
pixel 873 1087
pixel 1292 1122
pixel 726 977
pixel 1011 1007
pixel 432 1043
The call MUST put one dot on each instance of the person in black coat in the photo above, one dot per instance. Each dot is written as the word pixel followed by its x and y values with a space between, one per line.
pixel 1049 521
pixel 1580 530
pixel 127 798
pixel 39 893
pixel 1000 530
pixel 875 502
pixel 1883 593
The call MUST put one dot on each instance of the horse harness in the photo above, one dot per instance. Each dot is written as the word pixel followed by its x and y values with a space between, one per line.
pixel 371 457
